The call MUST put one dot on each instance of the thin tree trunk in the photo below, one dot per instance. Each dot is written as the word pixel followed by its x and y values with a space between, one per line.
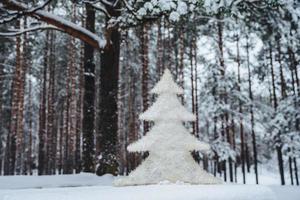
pixel 145 72
pixel 42 160
pixel 277 140
pixel 252 115
pixel 159 45
pixel 196 88
pixel 241 112
pixel 296 171
pixel 192 86
pixel 79 112
pixel 293 66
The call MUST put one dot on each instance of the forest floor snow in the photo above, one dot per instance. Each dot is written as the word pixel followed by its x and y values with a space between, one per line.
pixel 91 187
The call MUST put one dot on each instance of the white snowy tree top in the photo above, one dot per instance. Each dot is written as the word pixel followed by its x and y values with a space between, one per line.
pixel 167 85
pixel 167 108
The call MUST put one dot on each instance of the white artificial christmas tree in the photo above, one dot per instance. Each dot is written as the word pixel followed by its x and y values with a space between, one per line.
pixel 169 143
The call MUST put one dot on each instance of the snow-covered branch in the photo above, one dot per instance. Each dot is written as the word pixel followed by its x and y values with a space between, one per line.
pixel 22 31
pixel 59 22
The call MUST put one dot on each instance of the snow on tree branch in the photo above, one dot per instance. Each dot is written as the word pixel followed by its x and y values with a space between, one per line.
pixel 59 22
pixel 22 31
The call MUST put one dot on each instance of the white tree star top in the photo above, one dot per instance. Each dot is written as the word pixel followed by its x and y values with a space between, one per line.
pixel 167 107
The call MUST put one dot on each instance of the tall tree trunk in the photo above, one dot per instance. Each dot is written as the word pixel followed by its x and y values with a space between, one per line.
pixel 283 96
pixel 50 107
pixel 145 72
pixel 42 160
pixel 79 109
pixel 72 94
pixel 241 111
pixel 192 77
pixel 277 139
pixel 30 131
pixel 14 126
pixel 20 124
pixel 224 98
pixel 88 151
pixel 293 69
pixel 196 87
pixel 252 114
pixel 108 115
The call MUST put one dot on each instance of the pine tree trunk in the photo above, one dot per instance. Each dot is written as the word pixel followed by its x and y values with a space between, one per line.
pixel 79 112
pixel 88 98
pixel 283 96
pixel 16 85
pixel 234 146
pixel 73 101
pixel 61 132
pixel 66 127
pixel 296 171
pixel 196 88
pixel 277 140
pixel 27 135
pixel 42 159
pixel 241 112
pixel 192 86
pixel 145 71
pixel 252 114
pixel 108 115
pixel 30 149
pixel 50 107
pixel 20 119
pixel 159 45
pixel 293 66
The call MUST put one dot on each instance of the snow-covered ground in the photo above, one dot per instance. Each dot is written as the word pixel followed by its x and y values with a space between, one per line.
pixel 90 187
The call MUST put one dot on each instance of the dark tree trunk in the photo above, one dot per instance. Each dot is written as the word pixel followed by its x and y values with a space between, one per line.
pixel 277 139
pixel 88 151
pixel 79 113
pixel 159 47
pixel 108 115
pixel 42 119
pixel 50 109
pixel 145 72
pixel 296 171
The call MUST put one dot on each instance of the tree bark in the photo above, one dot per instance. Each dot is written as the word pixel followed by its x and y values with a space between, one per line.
pixel 88 151
pixel 145 72
pixel 42 119
pixel 108 115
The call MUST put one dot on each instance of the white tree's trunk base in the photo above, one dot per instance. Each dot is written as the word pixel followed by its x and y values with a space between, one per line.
pixel 173 167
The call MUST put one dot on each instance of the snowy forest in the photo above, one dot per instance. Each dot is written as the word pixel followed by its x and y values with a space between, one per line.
pixel 76 75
